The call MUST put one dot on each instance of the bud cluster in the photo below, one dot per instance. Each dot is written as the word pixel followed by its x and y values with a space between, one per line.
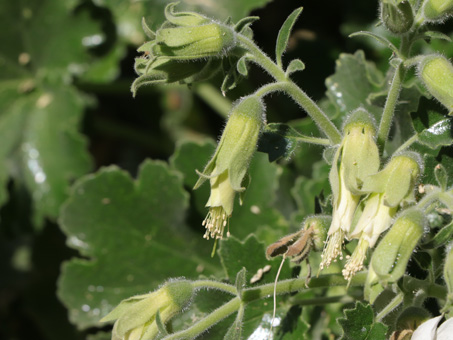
pixel 188 47
pixel 366 199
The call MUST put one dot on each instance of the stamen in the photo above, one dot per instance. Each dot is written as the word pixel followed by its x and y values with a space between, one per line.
pixel 332 249
pixel 215 223
pixel 355 262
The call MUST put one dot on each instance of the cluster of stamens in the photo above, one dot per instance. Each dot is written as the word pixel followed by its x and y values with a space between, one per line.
pixel 334 243
pixel 355 261
pixel 215 223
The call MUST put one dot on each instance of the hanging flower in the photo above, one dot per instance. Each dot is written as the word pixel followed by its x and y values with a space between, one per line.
pixel 228 167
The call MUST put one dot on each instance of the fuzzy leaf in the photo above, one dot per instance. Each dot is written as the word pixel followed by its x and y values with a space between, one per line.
pixel 132 236
pixel 439 134
pixel 359 324
pixel 284 33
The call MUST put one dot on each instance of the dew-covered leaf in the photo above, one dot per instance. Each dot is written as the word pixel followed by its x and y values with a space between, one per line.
pixel 358 324
pixel 249 254
pixel 132 236
pixel 353 81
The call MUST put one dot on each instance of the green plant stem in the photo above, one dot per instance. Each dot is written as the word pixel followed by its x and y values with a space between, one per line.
pixel 314 111
pixel 292 285
pixel 407 143
pixel 213 98
pixel 390 105
pixel 396 301
pixel 207 322
pixel 256 293
pixel 215 285
pixel 323 300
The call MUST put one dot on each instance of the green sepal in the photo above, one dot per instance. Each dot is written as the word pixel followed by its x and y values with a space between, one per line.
pixel 183 18
pixel 148 31
pixel 397 180
pixel 359 152
pixel 284 33
pixel 160 326
pixel 244 23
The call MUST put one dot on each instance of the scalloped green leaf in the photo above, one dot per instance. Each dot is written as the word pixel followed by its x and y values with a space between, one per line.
pixel 353 81
pixel 249 254
pixel 439 134
pixel 132 237
pixel 359 324
pixel 284 33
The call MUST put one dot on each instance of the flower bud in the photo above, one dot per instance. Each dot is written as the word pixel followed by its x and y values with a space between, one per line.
pixel 194 42
pixel 437 10
pixel 359 158
pixel 397 16
pixel 228 167
pixel 393 252
pixel 136 316
pixel 436 72
pixel 390 187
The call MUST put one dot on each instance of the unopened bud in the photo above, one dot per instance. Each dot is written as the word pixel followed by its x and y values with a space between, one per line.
pixel 437 10
pixel 436 72
pixel 228 167
pixel 393 252
pixel 397 16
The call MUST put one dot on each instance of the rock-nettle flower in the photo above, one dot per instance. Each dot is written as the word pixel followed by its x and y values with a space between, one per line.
pixel 228 167
pixel 136 316
pixel 359 157
pixel 429 330
pixel 389 188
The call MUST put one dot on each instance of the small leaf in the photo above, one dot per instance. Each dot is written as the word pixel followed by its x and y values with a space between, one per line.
pixel 444 236
pixel 439 134
pixel 378 38
pixel 235 330
pixel 284 33
pixel 280 140
pixel 435 35
pixel 441 176
pixel 359 324
pixel 242 66
pixel 294 66
pixel 240 280
pixel 160 325
pixel 245 22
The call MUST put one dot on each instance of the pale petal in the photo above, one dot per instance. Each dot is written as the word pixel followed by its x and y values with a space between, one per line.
pixel 427 330
pixel 445 331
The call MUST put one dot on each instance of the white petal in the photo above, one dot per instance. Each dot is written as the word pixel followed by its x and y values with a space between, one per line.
pixel 427 330
pixel 445 331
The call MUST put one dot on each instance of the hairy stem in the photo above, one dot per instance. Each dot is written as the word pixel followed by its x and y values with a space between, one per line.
pixel 390 105
pixel 210 284
pixel 396 301
pixel 208 321
pixel 213 98
pixel 313 110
